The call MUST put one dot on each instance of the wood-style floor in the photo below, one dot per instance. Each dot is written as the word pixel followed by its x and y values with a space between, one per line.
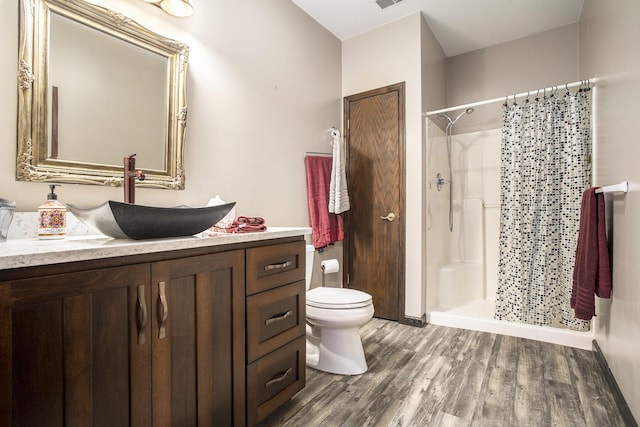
pixel 440 376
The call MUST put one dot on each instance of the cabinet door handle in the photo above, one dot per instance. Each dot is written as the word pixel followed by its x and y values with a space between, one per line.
pixel 141 315
pixel 278 318
pixel 279 377
pixel 163 310
pixel 277 266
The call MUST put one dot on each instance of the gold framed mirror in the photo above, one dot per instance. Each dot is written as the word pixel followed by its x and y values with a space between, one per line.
pixel 94 87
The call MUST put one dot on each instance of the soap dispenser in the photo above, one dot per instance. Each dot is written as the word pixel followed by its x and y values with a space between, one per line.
pixel 52 218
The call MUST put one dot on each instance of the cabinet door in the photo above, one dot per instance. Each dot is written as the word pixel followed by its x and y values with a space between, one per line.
pixel 198 334
pixel 75 349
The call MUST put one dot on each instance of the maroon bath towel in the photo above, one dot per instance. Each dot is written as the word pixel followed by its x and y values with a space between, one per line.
pixel 326 227
pixel 592 271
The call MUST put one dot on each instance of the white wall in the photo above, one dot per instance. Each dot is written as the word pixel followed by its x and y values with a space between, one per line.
pixel 382 57
pixel 537 61
pixel 434 71
pixel 263 87
pixel 609 38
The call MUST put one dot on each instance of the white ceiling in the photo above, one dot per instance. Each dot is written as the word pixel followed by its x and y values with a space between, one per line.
pixel 459 25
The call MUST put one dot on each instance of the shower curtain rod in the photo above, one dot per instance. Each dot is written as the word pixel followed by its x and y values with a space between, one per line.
pixel 502 98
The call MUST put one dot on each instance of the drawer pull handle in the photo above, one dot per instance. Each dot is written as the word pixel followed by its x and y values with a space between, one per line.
pixel 163 310
pixel 277 266
pixel 141 315
pixel 278 318
pixel 278 378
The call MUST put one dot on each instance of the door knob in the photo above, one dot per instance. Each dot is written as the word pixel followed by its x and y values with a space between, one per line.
pixel 390 217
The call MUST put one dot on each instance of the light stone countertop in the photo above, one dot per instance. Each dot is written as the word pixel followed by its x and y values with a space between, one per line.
pixel 30 252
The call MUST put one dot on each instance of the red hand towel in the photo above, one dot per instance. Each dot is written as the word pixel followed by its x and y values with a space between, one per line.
pixel 326 227
pixel 251 228
pixel 244 224
pixel 592 271
pixel 253 220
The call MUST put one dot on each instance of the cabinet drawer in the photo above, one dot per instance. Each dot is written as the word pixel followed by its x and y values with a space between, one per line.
pixel 274 318
pixel 274 379
pixel 272 266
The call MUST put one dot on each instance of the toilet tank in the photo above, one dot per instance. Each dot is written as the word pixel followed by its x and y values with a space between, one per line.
pixel 309 265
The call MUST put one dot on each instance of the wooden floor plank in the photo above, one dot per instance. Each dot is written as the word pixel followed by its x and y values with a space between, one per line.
pixel 596 400
pixel 505 353
pixel 529 365
pixel 530 404
pixel 439 376
pixel 447 420
pixel 556 366
pixel 427 392
pixel 464 389
pixel 497 398
pixel 482 347
pixel 564 404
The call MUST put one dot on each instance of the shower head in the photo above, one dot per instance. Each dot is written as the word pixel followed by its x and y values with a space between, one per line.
pixel 452 122
pixel 467 111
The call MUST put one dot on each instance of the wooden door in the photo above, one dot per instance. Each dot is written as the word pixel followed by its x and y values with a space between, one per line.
pixel 374 249
pixel 198 334
pixel 75 349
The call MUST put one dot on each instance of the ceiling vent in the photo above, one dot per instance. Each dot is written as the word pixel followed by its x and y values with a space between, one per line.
pixel 386 3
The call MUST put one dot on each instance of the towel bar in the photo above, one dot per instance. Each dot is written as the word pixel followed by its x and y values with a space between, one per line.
pixel 317 153
pixel 623 187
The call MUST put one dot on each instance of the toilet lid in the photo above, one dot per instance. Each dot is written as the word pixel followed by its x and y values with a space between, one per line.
pixel 338 298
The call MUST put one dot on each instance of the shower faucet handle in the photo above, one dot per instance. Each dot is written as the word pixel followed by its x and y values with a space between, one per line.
pixel 390 217
pixel 440 181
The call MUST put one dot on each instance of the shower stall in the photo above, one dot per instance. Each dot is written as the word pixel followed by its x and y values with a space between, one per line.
pixel 463 226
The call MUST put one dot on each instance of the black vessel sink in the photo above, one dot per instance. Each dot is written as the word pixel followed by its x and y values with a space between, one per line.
pixel 130 221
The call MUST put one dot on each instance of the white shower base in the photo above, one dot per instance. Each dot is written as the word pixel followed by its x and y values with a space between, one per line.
pixel 459 283
pixel 478 316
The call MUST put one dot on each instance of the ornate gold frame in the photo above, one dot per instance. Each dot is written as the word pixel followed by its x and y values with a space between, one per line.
pixel 32 163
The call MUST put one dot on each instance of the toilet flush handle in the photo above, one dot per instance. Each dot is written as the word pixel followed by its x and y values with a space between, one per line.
pixel 390 217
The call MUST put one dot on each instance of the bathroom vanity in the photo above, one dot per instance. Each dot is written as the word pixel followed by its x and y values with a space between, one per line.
pixel 185 331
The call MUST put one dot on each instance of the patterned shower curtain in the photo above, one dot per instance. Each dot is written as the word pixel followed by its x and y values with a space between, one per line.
pixel 545 167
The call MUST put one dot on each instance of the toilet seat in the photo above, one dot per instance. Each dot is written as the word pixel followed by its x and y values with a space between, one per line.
pixel 337 298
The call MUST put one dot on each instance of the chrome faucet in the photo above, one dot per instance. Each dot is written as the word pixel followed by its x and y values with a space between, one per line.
pixel 130 176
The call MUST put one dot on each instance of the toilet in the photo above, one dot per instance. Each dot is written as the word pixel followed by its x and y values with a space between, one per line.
pixel 334 317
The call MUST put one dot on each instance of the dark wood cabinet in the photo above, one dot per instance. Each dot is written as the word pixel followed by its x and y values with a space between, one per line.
pixel 276 325
pixel 69 349
pixel 161 340
pixel 198 336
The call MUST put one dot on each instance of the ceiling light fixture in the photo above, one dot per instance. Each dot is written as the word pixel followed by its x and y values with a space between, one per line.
pixel 179 8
